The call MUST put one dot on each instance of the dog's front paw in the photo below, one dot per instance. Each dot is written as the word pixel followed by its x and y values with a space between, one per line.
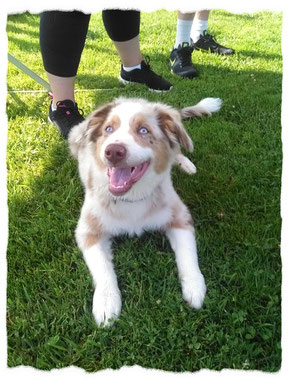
pixel 106 305
pixel 186 164
pixel 194 291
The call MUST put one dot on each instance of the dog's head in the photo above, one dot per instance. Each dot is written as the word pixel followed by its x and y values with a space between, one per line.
pixel 133 141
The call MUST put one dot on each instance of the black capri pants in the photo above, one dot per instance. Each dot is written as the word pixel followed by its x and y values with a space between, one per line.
pixel 63 35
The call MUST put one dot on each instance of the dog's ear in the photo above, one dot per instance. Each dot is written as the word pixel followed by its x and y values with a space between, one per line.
pixel 89 129
pixel 170 123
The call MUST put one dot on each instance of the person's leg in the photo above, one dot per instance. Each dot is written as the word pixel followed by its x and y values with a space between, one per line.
pixel 129 52
pixel 123 29
pixel 62 39
pixel 200 24
pixel 62 88
pixel 184 24
pixel 203 40
pixel 180 56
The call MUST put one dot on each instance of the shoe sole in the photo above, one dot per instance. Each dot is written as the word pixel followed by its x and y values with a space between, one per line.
pixel 215 53
pixel 125 82
pixel 190 77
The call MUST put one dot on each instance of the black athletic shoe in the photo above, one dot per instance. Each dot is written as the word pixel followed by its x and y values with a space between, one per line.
pixel 65 116
pixel 181 61
pixel 146 76
pixel 207 43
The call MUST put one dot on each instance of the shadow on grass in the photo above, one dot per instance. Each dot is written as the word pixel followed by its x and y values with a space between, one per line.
pixel 20 108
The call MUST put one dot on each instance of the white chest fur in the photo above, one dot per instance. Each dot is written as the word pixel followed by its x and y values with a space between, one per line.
pixel 124 216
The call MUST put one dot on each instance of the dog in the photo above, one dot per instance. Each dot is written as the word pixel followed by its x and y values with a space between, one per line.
pixel 125 151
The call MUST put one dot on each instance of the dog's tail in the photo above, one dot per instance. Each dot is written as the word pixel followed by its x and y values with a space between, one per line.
pixel 205 107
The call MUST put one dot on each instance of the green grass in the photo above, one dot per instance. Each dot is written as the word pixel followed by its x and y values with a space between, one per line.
pixel 234 199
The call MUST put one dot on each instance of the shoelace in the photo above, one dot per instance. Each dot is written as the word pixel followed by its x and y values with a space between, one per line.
pixel 67 109
pixel 146 62
pixel 146 67
pixel 209 38
pixel 185 56
pixel 69 112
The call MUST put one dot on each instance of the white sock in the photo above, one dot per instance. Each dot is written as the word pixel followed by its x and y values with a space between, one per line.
pixel 183 32
pixel 129 68
pixel 198 28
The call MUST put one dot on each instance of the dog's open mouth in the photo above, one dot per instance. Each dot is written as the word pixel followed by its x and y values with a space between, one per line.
pixel 122 179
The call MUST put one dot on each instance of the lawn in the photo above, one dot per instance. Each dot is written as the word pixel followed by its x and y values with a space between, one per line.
pixel 234 199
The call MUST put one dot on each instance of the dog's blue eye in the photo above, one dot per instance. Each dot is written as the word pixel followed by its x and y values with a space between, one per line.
pixel 143 130
pixel 109 129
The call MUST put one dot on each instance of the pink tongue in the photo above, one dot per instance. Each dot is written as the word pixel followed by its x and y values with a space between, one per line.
pixel 118 176
pixel 122 179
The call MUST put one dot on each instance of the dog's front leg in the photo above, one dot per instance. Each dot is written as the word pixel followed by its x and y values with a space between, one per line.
pixel 107 297
pixel 183 243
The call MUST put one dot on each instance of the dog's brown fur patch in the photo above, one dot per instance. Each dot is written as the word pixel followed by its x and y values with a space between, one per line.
pixel 97 120
pixel 180 221
pixel 98 145
pixel 174 130
pixel 94 233
pixel 114 121
pixel 98 123
pixel 89 184
pixel 159 147
pixel 162 156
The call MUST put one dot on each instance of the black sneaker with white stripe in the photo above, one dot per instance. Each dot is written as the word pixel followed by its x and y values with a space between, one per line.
pixel 65 116
pixel 146 76
pixel 207 43
pixel 181 61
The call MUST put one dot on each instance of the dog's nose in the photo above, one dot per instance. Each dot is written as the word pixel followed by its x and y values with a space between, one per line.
pixel 115 153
